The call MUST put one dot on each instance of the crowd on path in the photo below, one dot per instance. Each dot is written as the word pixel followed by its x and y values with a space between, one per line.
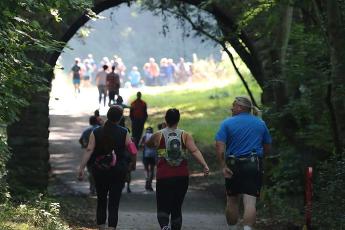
pixel 111 151
pixel 85 72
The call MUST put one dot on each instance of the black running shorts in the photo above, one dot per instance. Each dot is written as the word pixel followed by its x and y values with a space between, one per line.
pixel 246 178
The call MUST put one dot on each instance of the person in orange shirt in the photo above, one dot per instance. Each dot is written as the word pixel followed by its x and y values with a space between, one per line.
pixel 154 71
pixel 138 115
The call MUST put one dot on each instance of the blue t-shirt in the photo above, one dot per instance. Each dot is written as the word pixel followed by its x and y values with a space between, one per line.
pixel 134 76
pixel 243 134
pixel 84 139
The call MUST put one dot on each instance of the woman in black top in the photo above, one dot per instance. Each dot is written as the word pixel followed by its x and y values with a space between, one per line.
pixel 102 141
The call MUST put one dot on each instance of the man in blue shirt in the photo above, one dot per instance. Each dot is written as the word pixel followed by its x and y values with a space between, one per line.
pixel 241 142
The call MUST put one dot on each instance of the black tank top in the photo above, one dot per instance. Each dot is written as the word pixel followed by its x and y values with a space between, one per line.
pixel 117 140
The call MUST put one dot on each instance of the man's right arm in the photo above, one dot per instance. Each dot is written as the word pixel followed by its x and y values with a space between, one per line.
pixel 220 151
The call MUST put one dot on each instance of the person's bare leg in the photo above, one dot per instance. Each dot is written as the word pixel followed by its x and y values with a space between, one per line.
pixel 249 216
pixel 232 209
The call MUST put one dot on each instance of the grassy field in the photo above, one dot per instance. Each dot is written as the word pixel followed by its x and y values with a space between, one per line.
pixel 202 110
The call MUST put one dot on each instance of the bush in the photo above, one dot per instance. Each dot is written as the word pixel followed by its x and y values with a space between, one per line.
pixel 329 205
pixel 40 214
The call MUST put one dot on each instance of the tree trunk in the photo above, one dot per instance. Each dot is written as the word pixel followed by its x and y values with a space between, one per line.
pixel 276 88
pixel 336 35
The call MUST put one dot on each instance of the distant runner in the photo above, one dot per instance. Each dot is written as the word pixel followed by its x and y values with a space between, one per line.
pixel 76 76
pixel 101 79
pixel 138 115
pixel 113 85
pixel 149 158
pixel 84 141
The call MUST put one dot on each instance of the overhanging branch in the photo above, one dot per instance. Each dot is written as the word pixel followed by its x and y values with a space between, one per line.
pixel 223 44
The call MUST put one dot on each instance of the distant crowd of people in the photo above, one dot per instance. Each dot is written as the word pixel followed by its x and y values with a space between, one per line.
pixel 111 152
pixel 152 74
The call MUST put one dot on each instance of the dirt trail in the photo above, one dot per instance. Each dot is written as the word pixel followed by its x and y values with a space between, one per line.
pixel 69 116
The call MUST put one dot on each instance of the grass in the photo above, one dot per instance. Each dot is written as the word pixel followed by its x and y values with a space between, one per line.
pixel 202 110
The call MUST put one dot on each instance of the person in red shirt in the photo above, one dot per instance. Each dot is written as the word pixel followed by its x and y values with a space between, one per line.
pixel 138 115
pixel 113 85
pixel 172 145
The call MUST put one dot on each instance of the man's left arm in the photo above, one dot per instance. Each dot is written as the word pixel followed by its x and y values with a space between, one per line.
pixel 145 112
pixel 267 140
pixel 267 148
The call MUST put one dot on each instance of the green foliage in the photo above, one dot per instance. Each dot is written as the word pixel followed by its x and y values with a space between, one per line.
pixel 4 156
pixel 282 195
pixel 42 214
pixel 329 205
pixel 20 76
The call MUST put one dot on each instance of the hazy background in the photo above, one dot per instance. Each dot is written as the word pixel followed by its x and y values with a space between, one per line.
pixel 135 36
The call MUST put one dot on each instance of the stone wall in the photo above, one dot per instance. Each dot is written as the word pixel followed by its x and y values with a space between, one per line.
pixel 28 140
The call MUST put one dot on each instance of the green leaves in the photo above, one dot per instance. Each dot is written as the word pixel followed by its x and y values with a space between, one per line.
pixel 24 48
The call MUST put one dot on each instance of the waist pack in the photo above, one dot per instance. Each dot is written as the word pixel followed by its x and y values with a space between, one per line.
pixel 105 162
pixel 249 162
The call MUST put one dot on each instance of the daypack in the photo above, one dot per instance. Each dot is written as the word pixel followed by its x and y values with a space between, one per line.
pixel 173 153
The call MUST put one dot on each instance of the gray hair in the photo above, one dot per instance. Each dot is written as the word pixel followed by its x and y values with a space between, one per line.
pixel 246 102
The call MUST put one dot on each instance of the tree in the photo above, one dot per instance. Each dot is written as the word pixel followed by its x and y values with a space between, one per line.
pixel 336 33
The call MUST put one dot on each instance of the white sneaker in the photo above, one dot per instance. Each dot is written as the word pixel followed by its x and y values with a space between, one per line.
pixel 166 228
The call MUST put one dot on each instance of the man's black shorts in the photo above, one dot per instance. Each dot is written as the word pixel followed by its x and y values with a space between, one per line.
pixel 246 178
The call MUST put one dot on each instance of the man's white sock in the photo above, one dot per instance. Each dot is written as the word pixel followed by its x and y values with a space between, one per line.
pixel 233 227
pixel 247 227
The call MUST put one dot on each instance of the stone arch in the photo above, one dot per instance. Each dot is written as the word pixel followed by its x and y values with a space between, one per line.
pixel 28 138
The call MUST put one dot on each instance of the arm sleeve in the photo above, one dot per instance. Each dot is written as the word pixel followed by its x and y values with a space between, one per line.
pixel 222 133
